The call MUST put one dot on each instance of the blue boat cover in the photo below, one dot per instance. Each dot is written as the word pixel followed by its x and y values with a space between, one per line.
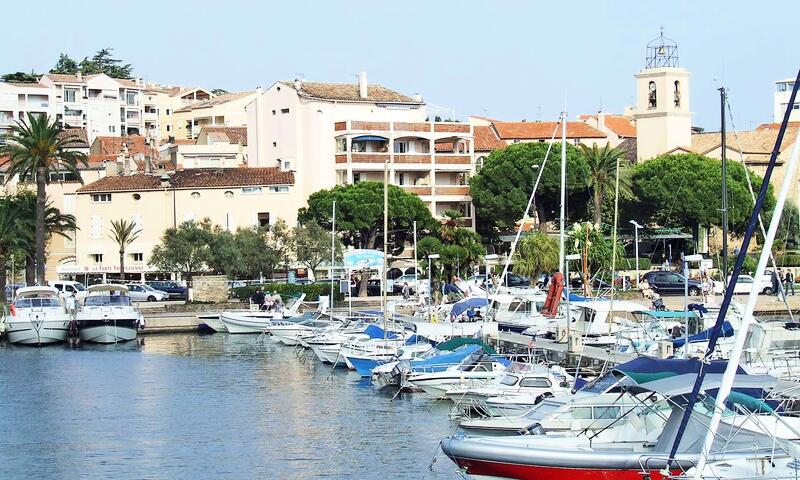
pixel 419 339
pixel 463 305
pixel 446 359
pixel 669 314
pixel 577 298
pixel 375 331
pixel 727 331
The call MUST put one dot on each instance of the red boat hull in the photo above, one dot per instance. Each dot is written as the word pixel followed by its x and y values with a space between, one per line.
pixel 534 472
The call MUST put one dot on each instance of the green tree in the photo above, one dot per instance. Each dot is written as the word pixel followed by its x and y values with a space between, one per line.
pixel 311 245
pixel 104 62
pixel 258 255
pixel 596 250
pixel 224 252
pixel 65 65
pixel 686 189
pixel 536 252
pixel 219 91
pixel 602 165
pixel 185 249
pixel 33 149
pixel 359 216
pixel 14 228
pixel 124 233
pixel 21 77
pixel 501 189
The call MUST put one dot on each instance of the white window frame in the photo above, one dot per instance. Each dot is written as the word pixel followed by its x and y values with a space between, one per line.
pixel 101 198
pixel 251 190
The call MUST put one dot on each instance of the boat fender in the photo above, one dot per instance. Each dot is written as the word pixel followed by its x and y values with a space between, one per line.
pixel 553 295
pixel 13 310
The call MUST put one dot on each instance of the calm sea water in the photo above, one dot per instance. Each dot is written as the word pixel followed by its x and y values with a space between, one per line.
pixel 198 407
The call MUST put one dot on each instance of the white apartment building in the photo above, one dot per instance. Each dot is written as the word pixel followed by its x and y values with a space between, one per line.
pixel 783 92
pixel 19 99
pixel 100 104
pixel 215 147
pixel 160 102
pixel 334 133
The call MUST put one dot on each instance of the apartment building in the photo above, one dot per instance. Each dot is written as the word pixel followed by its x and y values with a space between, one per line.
pixel 335 133
pixel 98 103
pixel 19 99
pixel 617 128
pixel 229 197
pixel 781 97
pixel 215 147
pixel 226 110
pixel 161 101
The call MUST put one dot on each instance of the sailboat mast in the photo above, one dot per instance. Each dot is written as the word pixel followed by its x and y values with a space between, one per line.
pixel 722 101
pixel 563 191
pixel 385 281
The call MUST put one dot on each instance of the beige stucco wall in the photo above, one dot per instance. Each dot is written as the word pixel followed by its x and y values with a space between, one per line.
pixel 230 114
pixel 665 127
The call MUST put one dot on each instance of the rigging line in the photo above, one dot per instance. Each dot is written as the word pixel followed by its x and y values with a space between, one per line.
pixel 527 209
pixel 760 219
pixel 669 213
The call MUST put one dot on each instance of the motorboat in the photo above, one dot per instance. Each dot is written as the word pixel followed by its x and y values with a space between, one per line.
pixel 211 323
pixel 476 370
pixel 107 315
pixel 38 317
pixel 288 332
pixel 256 321
pixel 640 447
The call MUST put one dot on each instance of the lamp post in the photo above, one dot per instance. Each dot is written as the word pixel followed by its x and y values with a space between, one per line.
pixel 574 256
pixel 431 258
pixel 488 258
pixel 636 228
pixel 686 260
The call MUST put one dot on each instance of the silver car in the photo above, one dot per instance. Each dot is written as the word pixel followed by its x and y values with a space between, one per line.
pixel 140 292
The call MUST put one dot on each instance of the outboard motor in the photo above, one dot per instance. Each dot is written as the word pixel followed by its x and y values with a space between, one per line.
pixel 532 429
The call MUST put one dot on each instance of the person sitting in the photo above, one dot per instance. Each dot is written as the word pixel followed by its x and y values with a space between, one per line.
pixel 477 317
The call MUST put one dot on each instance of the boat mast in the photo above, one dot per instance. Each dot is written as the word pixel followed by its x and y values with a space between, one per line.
pixel 563 190
pixel 385 281
pixel 333 249
pixel 722 100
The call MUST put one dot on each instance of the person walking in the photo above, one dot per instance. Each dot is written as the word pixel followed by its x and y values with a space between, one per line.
pixel 788 283
pixel 406 291
pixel 776 283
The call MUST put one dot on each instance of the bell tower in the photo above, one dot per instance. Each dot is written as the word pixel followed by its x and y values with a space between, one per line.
pixel 662 115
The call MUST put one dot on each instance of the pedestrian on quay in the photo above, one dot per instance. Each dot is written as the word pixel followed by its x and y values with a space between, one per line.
pixel 406 291
pixel 259 298
pixel 776 283
pixel 788 282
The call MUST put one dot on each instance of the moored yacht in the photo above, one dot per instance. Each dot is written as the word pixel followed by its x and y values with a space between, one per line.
pixel 38 317
pixel 107 315
pixel 256 321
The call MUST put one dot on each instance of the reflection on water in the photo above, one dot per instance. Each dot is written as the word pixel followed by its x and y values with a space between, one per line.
pixel 187 406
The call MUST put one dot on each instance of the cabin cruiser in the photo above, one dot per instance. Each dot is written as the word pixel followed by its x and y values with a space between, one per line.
pixel 107 315
pixel 256 321
pixel 472 372
pixel 288 332
pixel 38 317
pixel 210 323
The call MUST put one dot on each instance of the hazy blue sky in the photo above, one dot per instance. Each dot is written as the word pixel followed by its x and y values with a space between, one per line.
pixel 505 59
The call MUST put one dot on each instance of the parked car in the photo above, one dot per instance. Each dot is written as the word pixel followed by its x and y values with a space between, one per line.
pixel 373 288
pixel 671 283
pixel 69 288
pixel 173 289
pixel 746 283
pixel 303 281
pixel 11 290
pixel 512 280
pixel 414 283
pixel 140 292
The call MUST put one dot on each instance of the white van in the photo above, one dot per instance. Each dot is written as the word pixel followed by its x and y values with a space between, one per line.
pixel 68 288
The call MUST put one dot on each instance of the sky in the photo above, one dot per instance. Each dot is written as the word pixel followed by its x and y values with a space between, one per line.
pixel 509 60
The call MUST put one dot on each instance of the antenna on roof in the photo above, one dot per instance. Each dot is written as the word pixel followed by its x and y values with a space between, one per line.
pixel 300 76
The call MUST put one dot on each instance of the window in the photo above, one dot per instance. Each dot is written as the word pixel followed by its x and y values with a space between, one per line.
pixel 169 128
pixel 279 189
pixel 401 179
pixel 263 219
pixel 136 196
pixel 130 97
pixel 677 93
pixel 112 129
pixel 70 112
pixel 356 177
pixel 582 413
pixel 606 413
pixel 400 147
pixel 535 382
pixel 287 165
pixel 63 177
pixel 284 110
pixel 97 257
pixel 274 112
pixel 169 112
pixel 251 190
pixel 69 95
pixel 479 163
pixel 651 96
pixel 101 197
pixel 228 194
pixel 274 144
pixel 138 257
pixel 341 145
pixel 96 227
pixel 209 162
pixel 195 195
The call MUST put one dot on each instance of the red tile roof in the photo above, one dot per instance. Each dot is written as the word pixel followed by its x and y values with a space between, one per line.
pixel 27 84
pixel 229 134
pixel 486 139
pixel 621 126
pixel 113 145
pixel 63 78
pixel 193 178
pixel 213 102
pixel 185 141
pixel 544 130
pixel 350 92
pixel 80 139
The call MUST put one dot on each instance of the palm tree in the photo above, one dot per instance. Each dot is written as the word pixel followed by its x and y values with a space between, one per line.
pixel 12 233
pixel 536 253
pixel 124 233
pixel 24 205
pixel 602 172
pixel 33 149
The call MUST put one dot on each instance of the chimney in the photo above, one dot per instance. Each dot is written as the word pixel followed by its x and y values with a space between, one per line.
pixel 139 81
pixel 112 168
pixel 601 121
pixel 80 76
pixel 298 84
pixel 362 85
pixel 165 181
pixel 417 98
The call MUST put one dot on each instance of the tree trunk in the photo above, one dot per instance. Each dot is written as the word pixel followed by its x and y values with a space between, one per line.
pixel 30 274
pixel 3 280
pixel 41 205
pixel 540 214
pixel 122 265
pixel 598 205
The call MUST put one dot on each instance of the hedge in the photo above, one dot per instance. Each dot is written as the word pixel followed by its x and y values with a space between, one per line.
pixel 788 260
pixel 630 264
pixel 312 290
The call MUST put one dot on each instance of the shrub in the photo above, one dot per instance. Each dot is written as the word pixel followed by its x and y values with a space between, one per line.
pixel 630 264
pixel 312 290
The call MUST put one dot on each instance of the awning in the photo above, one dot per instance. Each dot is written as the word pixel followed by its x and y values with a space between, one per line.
pixel 370 138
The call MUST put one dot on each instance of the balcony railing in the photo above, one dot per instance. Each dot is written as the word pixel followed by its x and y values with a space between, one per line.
pixel 369 157
pixel 412 158
pixel 453 159
pixel 341 158
pixel 440 127
pixel 419 190
pixel 458 190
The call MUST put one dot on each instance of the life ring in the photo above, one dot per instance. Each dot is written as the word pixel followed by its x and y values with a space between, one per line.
pixel 553 295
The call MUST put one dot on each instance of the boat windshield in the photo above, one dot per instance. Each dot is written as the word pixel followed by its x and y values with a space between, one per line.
pixel 509 380
pixel 37 303
pixel 79 287
pixel 542 411
pixel 602 384
pixel 103 300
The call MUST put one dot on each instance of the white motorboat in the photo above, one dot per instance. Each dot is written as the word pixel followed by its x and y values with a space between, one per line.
pixel 212 322
pixel 256 321
pixel 107 315
pixel 288 333
pixel 473 372
pixel 38 317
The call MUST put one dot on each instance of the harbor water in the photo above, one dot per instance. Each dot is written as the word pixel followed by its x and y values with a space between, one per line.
pixel 197 407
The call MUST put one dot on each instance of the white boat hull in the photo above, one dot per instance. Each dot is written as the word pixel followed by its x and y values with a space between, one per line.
pixel 213 322
pixel 111 331
pixel 327 353
pixel 25 332
pixel 247 322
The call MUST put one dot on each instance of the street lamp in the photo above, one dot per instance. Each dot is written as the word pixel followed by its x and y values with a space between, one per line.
pixel 686 260
pixel 488 258
pixel 636 228
pixel 574 256
pixel 431 257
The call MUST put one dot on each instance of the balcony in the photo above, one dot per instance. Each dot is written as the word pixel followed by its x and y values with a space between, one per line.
pixel 133 120
pixel 369 157
pixel 453 159
pixel 452 190
pixel 412 158
pixel 418 189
